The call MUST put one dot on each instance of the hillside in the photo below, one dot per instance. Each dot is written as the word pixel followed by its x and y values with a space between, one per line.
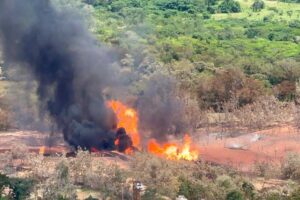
pixel 194 42
pixel 150 99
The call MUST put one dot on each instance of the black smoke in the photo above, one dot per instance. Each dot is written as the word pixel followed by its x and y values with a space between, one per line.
pixel 72 70
pixel 161 112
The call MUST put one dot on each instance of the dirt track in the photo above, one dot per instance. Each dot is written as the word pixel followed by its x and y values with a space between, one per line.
pixel 241 152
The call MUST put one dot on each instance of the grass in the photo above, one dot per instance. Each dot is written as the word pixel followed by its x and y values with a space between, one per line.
pixel 278 10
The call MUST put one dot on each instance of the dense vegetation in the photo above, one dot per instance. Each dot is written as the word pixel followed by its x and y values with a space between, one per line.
pixel 219 51
pixel 195 42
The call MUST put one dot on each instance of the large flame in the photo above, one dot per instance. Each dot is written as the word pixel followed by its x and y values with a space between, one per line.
pixel 128 119
pixel 174 151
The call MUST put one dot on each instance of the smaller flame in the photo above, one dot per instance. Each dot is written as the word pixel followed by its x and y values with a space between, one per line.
pixel 42 150
pixel 174 151
pixel 117 142
pixel 129 151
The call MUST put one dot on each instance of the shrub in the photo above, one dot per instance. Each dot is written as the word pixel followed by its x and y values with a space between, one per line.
pixel 273 196
pixel 295 194
pixel 230 6
pixel 286 90
pixel 294 24
pixel 249 190
pixel 180 5
pixel 234 195
pixel 191 190
pixel 258 5
pixel 206 15
pixel 59 185
pixel 252 32
pixel 227 85
pixel 20 188
pixel 225 182
pixel 291 167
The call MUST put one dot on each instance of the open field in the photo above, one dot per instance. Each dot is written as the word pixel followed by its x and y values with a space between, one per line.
pixel 241 152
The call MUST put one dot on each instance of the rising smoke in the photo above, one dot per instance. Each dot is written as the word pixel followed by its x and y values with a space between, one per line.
pixel 160 110
pixel 70 67
pixel 73 70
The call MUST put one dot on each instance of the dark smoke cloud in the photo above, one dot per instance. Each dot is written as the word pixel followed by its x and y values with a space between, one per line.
pixel 160 111
pixel 71 69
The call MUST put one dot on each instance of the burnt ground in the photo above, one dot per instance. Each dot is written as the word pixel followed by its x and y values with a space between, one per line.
pixel 241 152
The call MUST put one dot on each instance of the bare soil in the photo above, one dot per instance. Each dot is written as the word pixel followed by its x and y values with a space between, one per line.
pixel 270 145
pixel 241 152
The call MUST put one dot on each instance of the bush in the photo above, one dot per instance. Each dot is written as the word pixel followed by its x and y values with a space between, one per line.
pixel 294 24
pixel 20 188
pixel 225 86
pixel 230 6
pixel 291 167
pixel 295 194
pixel 273 196
pixel 252 32
pixel 180 5
pixel 191 190
pixel 59 186
pixel 225 182
pixel 285 91
pixel 258 5
pixel 249 190
pixel 234 195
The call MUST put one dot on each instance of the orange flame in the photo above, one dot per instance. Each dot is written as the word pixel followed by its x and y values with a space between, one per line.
pixel 128 119
pixel 129 151
pixel 42 150
pixel 174 151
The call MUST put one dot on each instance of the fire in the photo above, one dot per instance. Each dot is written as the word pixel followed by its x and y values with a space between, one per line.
pixel 42 150
pixel 127 119
pixel 129 151
pixel 117 142
pixel 174 151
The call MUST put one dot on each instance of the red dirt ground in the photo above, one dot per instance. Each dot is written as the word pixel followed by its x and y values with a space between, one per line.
pixel 270 145
pixel 244 151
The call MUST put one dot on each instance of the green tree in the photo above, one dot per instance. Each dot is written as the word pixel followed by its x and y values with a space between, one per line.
pixel 20 188
pixel 230 6
pixel 234 195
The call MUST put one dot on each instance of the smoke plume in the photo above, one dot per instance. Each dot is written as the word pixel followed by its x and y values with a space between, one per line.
pixel 72 70
pixel 161 112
